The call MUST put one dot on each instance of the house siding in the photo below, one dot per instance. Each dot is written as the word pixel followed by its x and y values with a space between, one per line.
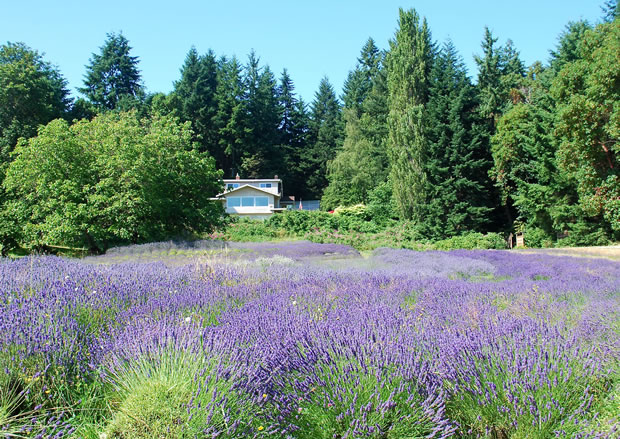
pixel 253 210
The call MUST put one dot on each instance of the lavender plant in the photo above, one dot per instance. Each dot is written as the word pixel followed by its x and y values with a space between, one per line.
pixel 301 340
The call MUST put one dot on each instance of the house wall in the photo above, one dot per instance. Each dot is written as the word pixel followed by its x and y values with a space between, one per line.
pixel 254 210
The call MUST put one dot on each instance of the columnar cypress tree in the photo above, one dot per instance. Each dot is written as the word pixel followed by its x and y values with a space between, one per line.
pixel 408 68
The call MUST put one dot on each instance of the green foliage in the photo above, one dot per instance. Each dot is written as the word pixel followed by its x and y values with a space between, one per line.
pixel 408 68
pixel 472 241
pixel 244 230
pixel 154 394
pixel 114 179
pixel 460 194
pixel 330 409
pixel 113 75
pixel 538 238
pixel 32 92
pixel 356 170
pixel 588 122
pixel 325 139
pixel 194 97
pixel 293 137
pixel 362 163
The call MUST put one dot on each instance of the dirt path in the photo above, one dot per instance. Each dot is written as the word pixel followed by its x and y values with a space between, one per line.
pixel 608 252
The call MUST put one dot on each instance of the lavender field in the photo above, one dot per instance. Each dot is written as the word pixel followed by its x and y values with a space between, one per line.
pixel 303 340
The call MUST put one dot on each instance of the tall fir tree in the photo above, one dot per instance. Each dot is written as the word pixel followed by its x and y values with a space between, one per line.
pixel 500 77
pixel 324 139
pixel 293 131
pixel 231 120
pixel 457 165
pixel 408 68
pixel 568 44
pixel 264 114
pixel 359 81
pixel 112 76
pixel 195 95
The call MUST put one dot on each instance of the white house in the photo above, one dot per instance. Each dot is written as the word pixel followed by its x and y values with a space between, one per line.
pixel 257 198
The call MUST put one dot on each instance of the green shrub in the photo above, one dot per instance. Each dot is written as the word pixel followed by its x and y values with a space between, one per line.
pixel 471 241
pixel 158 396
pixel 538 238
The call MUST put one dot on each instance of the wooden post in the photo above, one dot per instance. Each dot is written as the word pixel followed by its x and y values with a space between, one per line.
pixel 520 240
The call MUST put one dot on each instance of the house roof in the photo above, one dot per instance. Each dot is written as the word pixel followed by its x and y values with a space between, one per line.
pixel 251 187
pixel 253 180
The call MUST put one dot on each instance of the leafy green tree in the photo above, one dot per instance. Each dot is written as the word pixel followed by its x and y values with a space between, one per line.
pixel 587 92
pixel 113 76
pixel 195 96
pixel 355 171
pixel 460 193
pixel 408 68
pixel 324 139
pixel 32 93
pixel 525 168
pixel 115 179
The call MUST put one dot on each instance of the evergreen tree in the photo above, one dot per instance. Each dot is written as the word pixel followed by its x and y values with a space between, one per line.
pixel 568 44
pixel 231 118
pixel 362 163
pixel 611 10
pixel 457 166
pixel 292 130
pixel 324 139
pixel 525 169
pixel 261 97
pixel 195 97
pixel 359 81
pixel 113 75
pixel 408 68
pixel 500 77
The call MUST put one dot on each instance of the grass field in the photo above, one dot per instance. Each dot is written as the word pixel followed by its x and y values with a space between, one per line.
pixel 305 340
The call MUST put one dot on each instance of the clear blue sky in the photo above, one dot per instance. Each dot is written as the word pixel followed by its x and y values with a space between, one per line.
pixel 311 39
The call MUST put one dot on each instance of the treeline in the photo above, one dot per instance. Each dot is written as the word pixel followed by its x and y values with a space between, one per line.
pixel 523 149
pixel 529 149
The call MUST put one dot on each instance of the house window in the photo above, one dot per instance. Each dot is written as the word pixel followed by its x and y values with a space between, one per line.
pixel 262 201
pixel 247 201
pixel 233 201
pixel 264 185
pixel 230 186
